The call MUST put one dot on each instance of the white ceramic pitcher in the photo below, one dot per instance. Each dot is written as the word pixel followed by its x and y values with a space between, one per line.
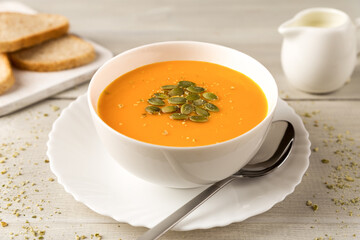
pixel 319 49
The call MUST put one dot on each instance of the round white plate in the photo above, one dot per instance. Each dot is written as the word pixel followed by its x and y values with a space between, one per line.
pixel 86 171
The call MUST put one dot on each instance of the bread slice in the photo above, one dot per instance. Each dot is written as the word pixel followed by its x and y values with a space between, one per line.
pixel 61 53
pixel 6 74
pixel 18 30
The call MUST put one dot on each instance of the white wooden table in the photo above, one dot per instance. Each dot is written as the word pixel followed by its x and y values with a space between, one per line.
pixel 31 200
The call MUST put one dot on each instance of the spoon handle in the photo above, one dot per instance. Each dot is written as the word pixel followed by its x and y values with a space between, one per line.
pixel 170 221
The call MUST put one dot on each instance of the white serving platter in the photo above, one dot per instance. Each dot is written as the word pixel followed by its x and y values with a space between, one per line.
pixel 31 87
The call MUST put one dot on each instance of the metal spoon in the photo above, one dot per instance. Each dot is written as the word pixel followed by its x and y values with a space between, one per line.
pixel 250 170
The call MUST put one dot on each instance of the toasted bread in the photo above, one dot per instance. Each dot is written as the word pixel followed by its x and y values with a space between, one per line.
pixel 18 30
pixel 61 53
pixel 6 74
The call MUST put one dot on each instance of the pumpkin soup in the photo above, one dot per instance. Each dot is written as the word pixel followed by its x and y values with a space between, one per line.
pixel 182 103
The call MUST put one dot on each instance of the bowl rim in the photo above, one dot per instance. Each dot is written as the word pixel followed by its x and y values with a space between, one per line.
pixel 152 145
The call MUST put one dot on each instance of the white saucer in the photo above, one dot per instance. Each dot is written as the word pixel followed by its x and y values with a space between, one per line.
pixel 87 172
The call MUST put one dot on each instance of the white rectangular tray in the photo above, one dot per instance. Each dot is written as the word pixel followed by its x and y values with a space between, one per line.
pixel 31 87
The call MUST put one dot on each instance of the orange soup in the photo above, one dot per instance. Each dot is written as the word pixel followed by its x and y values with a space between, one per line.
pixel 240 101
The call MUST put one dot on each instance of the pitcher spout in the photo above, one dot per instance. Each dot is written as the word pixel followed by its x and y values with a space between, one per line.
pixel 287 29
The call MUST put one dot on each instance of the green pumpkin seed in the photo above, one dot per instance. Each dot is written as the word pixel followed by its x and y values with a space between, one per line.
pixel 195 89
pixel 192 97
pixel 201 112
pixel 168 87
pixel 178 116
pixel 152 109
pixel 156 101
pixel 210 96
pixel 176 92
pixel 211 107
pixel 185 84
pixel 199 119
pixel 199 102
pixel 177 100
pixel 186 109
pixel 161 95
pixel 169 109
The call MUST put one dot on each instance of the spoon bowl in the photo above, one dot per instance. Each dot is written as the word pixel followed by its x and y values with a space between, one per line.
pixel 276 160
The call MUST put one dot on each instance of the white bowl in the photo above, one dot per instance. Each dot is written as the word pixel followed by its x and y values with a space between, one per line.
pixel 182 167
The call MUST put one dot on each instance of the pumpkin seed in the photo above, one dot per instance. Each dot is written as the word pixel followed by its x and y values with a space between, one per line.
pixel 176 92
pixel 177 100
pixel 201 112
pixel 192 97
pixel 161 95
pixel 199 119
pixel 210 96
pixel 195 89
pixel 199 102
pixel 185 84
pixel 168 87
pixel 178 116
pixel 211 107
pixel 169 109
pixel 152 109
pixel 186 109
pixel 156 101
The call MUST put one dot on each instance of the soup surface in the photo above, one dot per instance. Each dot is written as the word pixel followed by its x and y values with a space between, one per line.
pixel 242 104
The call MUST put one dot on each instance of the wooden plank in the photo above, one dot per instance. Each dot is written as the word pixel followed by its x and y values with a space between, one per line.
pixel 246 231
pixel 72 93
